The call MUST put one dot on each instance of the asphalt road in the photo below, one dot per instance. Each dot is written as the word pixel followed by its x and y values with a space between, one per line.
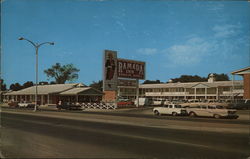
pixel 27 136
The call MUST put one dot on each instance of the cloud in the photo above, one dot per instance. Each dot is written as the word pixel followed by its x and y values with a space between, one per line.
pixel 147 51
pixel 226 31
pixel 189 53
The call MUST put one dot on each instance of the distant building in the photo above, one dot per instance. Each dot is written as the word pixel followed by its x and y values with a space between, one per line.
pixel 211 90
pixel 245 72
pixel 51 94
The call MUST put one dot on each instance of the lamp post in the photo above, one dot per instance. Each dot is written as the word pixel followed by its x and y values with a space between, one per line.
pixel 36 45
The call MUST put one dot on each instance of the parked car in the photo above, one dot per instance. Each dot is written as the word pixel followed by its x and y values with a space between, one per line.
pixel 26 105
pixel 13 104
pixel 243 104
pixel 68 106
pixel 212 111
pixel 158 102
pixel 142 102
pixel 171 109
pixel 124 102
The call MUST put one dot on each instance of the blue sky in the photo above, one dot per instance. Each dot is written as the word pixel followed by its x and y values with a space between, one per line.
pixel 172 37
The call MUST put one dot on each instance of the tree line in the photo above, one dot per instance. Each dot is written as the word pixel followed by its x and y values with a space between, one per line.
pixel 62 73
pixel 191 78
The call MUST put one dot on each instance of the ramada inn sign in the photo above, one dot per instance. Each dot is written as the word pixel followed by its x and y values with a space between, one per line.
pixel 115 68
pixel 131 69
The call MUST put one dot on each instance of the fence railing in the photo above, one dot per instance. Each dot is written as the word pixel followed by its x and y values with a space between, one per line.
pixel 99 105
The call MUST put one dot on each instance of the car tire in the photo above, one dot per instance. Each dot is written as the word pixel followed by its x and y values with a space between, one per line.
pixel 217 116
pixel 192 114
pixel 156 112
pixel 174 114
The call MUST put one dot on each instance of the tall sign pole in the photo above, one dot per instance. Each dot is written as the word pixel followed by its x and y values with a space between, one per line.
pixel 116 69
pixel 110 76
pixel 137 93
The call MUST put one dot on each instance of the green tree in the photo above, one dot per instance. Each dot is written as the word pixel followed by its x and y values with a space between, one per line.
pixel 62 73
pixel 221 77
pixel 43 83
pixel 28 84
pixel 189 78
pixel 52 82
pixel 96 85
pixel 2 85
pixel 151 82
pixel 16 87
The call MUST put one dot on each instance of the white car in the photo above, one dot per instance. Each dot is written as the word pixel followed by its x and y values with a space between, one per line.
pixel 158 102
pixel 26 105
pixel 171 109
pixel 212 111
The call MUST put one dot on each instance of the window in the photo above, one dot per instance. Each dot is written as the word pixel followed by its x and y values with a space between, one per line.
pixel 211 107
pixel 203 107
pixel 170 106
pixel 177 106
pixel 219 107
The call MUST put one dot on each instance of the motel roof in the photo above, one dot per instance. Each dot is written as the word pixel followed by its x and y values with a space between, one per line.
pixel 82 91
pixel 46 89
pixel 193 84
pixel 241 71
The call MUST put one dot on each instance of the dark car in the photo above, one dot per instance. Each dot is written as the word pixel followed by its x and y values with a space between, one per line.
pixel 69 106
pixel 243 104
pixel 13 104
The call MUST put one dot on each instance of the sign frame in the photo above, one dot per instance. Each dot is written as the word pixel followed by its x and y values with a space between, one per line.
pixel 134 66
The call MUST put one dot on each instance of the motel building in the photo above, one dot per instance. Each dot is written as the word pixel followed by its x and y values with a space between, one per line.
pixel 52 94
pixel 245 73
pixel 211 90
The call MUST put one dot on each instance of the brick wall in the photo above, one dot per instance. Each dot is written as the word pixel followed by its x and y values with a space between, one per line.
pixel 246 86
pixel 109 96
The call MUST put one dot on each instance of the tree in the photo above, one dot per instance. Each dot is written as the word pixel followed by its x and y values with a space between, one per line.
pixel 52 82
pixel 189 78
pixel 97 85
pixel 221 77
pixel 2 85
pixel 15 87
pixel 28 84
pixel 62 73
pixel 43 83
pixel 152 82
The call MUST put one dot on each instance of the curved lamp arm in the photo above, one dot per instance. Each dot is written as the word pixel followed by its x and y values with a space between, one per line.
pixel 36 45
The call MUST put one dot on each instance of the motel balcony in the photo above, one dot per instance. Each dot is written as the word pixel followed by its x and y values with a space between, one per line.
pixel 166 93
pixel 236 91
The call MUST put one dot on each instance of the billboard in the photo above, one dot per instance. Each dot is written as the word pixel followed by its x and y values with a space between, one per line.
pixel 130 69
pixel 110 70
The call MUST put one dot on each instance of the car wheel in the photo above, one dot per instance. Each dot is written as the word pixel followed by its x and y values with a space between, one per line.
pixel 192 114
pixel 174 114
pixel 216 116
pixel 156 112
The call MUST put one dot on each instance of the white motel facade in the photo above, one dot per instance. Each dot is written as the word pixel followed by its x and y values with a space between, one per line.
pixel 210 90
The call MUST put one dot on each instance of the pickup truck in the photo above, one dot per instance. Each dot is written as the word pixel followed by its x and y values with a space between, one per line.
pixel 171 109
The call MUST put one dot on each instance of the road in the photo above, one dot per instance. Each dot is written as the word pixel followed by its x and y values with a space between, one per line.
pixel 83 135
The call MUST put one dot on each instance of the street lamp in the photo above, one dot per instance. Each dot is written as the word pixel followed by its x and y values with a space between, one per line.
pixel 36 45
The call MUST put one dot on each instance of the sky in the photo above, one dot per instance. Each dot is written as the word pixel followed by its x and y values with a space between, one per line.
pixel 174 38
